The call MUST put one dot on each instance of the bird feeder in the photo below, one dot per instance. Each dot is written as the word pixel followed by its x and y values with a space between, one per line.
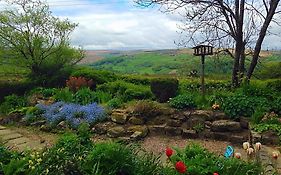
pixel 202 50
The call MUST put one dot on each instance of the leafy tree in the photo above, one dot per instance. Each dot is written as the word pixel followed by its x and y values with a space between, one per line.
pixel 37 39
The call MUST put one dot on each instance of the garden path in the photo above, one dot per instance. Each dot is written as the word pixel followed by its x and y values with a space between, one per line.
pixel 16 141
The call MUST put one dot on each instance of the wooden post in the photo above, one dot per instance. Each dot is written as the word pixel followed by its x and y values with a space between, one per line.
pixel 203 75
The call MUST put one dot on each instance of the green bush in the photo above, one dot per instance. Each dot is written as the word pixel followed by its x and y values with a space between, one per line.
pixel 84 96
pixel 163 89
pixel 45 92
pixel 239 105
pixel 64 95
pixel 98 76
pixel 274 85
pixel 270 70
pixel 127 91
pixel 147 109
pixel 115 103
pixel 12 102
pixel 102 97
pixel 184 101
pixel 276 105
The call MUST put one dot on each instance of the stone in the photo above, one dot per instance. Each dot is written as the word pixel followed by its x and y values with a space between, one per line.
pixel 102 128
pixel 270 138
pixel 17 141
pixel 225 126
pixel 136 121
pixel 158 120
pixel 46 128
pixel 208 124
pixel 136 135
pixel 38 123
pixel 223 136
pixel 62 125
pixel 10 136
pixel 157 129
pixel 256 137
pixel 244 122
pixel 178 117
pixel 207 134
pixel 6 132
pixel 119 118
pixel 174 123
pixel 140 128
pixel 186 114
pixel 173 131
pixel 220 116
pixel 237 139
pixel 2 127
pixel 206 115
pixel 194 121
pixel 117 131
pixel 190 134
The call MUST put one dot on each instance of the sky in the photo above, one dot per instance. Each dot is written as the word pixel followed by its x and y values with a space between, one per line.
pixel 123 25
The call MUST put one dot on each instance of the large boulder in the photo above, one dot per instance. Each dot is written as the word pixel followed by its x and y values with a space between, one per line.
pixel 270 138
pixel 225 126
pixel 157 129
pixel 102 128
pixel 173 131
pixel 174 123
pixel 136 121
pixel 194 121
pixel 220 116
pixel 117 131
pixel 119 117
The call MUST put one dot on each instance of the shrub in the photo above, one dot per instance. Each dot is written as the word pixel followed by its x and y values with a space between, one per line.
pixel 115 103
pixel 127 91
pixel 45 92
pixel 64 95
pixel 98 76
pixel 163 89
pixel 73 114
pixel 12 102
pixel 276 105
pixel 185 101
pixel 274 85
pixel 112 158
pixel 239 105
pixel 84 96
pixel 76 83
pixel 147 109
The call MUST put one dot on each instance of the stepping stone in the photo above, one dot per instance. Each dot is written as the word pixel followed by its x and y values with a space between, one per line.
pixel 32 145
pixel 6 132
pixel 18 141
pixel 2 127
pixel 11 136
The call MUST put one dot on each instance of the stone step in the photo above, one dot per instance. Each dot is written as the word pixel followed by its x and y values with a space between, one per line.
pixel 17 141
pixel 2 127
pixel 5 132
pixel 11 136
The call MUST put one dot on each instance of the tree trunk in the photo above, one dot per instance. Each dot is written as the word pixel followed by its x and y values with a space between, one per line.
pixel 242 64
pixel 269 16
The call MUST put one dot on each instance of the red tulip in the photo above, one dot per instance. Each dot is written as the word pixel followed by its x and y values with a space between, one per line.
pixel 180 167
pixel 216 174
pixel 169 152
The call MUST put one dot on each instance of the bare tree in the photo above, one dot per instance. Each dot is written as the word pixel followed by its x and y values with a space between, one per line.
pixel 243 23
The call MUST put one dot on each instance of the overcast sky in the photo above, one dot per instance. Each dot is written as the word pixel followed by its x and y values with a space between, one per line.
pixel 121 24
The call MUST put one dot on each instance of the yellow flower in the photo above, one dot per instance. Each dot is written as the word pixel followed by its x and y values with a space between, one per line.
pixel 33 167
pixel 39 160
pixel 30 162
pixel 47 171
pixel 80 158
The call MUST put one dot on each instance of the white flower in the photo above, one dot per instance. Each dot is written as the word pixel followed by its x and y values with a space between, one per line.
pixel 258 146
pixel 250 151
pixel 246 145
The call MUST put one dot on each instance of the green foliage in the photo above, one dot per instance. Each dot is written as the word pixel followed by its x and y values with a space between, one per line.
pixel 127 91
pixel 147 109
pixel 269 70
pixel 12 102
pixel 101 97
pixel 45 92
pixel 201 162
pixel 199 128
pixel 84 96
pixel 276 105
pixel 275 85
pixel 210 85
pixel 238 105
pixel 262 127
pixel 163 89
pixel 98 76
pixel 64 95
pixel 184 101
pixel 115 103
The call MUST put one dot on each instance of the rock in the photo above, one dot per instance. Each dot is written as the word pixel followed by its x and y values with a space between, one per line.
pixel 208 124
pixel 142 129
pixel 38 123
pixel 206 134
pixel 270 138
pixel 190 134
pixel 223 136
pixel 157 129
pixel 102 128
pixel 179 117
pixel 256 137
pixel 244 122
pixel 46 128
pixel 186 114
pixel 136 135
pixel 174 123
pixel 117 131
pixel 194 121
pixel 136 121
pixel 173 131
pixel 225 126
pixel 206 115
pixel 33 99
pixel 237 139
pixel 119 118
pixel 220 116
pixel 158 120
pixel 62 125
